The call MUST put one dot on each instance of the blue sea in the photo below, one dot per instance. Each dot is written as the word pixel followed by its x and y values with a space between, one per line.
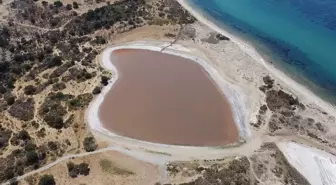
pixel 297 36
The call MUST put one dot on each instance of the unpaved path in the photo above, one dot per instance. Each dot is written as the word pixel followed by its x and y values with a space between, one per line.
pixel 176 38
pixel 64 158
pixel 37 27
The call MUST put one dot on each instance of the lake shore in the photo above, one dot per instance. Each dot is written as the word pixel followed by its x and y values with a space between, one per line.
pixel 298 89
pixel 233 94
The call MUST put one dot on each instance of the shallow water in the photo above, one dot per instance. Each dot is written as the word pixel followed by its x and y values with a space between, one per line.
pixel 166 99
pixel 299 36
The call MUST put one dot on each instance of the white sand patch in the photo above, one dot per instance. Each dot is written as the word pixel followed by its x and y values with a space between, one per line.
pixel 235 97
pixel 298 89
pixel 317 166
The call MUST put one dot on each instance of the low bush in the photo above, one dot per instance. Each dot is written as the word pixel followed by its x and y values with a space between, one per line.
pixel 47 180
pixel 80 169
pixel 89 144
pixel 29 90
pixel 96 90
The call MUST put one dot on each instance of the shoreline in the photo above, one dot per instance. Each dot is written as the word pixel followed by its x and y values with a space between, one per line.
pixel 235 98
pixel 292 85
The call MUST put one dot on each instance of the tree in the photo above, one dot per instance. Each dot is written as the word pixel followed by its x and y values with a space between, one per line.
pixel 9 172
pixel 10 100
pixel 89 144
pixel 52 145
pixel 29 90
pixel 54 121
pixel 75 170
pixel 68 7
pixel 44 3
pixel 30 146
pixel 3 90
pixel 104 80
pixel 4 67
pixel 47 180
pixel 84 169
pixel 55 61
pixel 100 40
pixel 72 170
pixel 4 37
pixel 96 90
pixel 75 5
pixel 24 135
pixel 58 4
pixel 32 157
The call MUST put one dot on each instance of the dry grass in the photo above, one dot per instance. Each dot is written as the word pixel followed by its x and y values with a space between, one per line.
pixel 157 152
pixel 111 168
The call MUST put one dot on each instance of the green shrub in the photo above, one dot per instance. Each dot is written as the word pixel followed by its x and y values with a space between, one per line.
pixel 30 146
pixel 30 90
pixel 32 157
pixel 47 180
pixel 75 170
pixel 74 103
pixel 89 144
pixel 96 90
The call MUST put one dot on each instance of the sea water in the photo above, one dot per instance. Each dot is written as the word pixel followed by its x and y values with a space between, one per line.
pixel 298 36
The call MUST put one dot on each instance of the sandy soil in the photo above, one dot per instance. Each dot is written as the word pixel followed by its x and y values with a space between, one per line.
pixel 118 169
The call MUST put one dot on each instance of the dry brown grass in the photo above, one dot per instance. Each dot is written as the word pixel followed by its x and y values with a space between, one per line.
pixel 108 166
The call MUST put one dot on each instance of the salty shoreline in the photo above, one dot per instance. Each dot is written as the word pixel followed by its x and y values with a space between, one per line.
pixel 298 89
pixel 235 98
pixel 317 162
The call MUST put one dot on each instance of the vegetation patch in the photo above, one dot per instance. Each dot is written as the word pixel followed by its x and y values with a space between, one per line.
pixel 90 144
pixel 5 134
pixel 22 137
pixel 109 167
pixel 52 110
pixel 59 86
pixel 78 169
pixel 47 180
pixel 80 102
pixel 157 152
pixel 96 90
pixel 29 90
pixel 23 110
pixel 237 172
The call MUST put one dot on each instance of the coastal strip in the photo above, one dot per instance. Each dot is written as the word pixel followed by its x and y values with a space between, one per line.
pixel 298 89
